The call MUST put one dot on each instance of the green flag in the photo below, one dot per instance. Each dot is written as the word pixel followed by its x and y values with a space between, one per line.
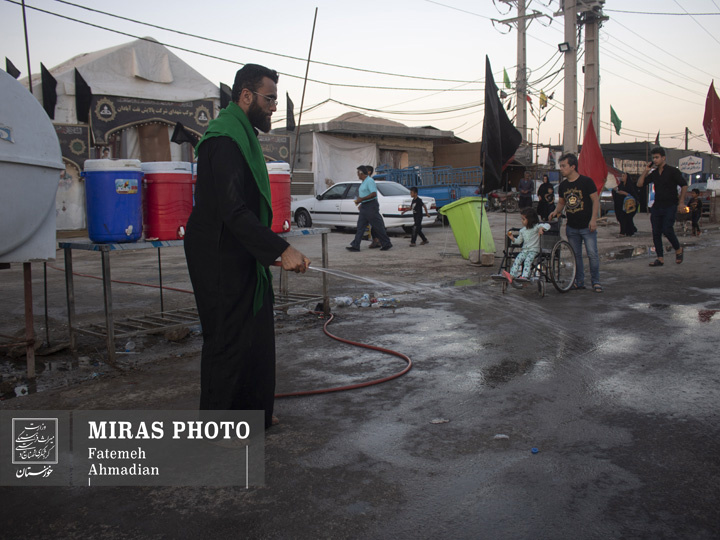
pixel 615 120
pixel 506 79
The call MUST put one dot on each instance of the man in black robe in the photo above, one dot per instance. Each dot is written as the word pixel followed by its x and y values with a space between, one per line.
pixel 229 246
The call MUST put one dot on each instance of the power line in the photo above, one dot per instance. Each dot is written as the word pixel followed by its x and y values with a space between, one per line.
pixel 656 12
pixel 682 60
pixel 461 10
pixel 698 22
pixel 220 42
pixel 648 72
pixel 235 62
pixel 645 58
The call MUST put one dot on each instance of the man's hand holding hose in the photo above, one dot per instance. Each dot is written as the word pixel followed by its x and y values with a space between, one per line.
pixel 292 260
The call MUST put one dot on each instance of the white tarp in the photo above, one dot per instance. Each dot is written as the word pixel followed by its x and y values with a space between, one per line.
pixel 139 69
pixel 336 160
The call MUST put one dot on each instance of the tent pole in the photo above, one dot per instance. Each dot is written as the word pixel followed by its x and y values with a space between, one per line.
pixel 482 205
pixel 302 100
pixel 27 48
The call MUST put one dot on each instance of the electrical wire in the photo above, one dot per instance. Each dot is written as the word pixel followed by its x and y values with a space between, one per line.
pixel 698 22
pixel 235 62
pixel 683 61
pixel 461 10
pixel 229 44
pixel 656 12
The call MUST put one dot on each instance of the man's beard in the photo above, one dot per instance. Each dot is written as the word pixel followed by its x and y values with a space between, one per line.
pixel 258 118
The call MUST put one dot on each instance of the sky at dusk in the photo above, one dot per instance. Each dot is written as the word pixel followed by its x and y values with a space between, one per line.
pixel 418 62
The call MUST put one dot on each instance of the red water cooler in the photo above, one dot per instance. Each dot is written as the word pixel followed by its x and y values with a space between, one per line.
pixel 168 198
pixel 279 173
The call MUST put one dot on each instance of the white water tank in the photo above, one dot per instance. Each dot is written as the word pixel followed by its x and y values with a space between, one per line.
pixel 30 167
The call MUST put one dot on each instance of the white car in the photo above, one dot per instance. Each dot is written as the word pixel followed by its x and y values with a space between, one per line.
pixel 336 207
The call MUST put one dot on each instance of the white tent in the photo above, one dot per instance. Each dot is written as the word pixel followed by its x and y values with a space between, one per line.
pixel 142 69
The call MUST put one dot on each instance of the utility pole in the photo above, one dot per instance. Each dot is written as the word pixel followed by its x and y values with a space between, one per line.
pixel 521 75
pixel 592 19
pixel 570 129
pixel 521 82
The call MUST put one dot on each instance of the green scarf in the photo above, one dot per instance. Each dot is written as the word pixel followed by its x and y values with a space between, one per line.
pixel 233 122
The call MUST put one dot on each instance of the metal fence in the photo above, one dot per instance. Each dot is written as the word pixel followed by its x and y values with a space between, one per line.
pixel 431 176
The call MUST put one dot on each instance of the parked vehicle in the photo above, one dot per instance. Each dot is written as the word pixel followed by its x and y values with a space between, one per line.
pixel 445 184
pixel 503 200
pixel 607 205
pixel 336 207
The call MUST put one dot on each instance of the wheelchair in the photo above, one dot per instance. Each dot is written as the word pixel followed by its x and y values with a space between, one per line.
pixel 555 263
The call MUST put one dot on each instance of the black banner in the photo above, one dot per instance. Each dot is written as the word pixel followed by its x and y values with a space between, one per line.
pixel 275 147
pixel 74 143
pixel 112 113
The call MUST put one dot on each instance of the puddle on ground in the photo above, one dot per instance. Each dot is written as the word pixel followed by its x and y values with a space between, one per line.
pixel 462 283
pixel 506 371
pixel 627 253
pixel 688 314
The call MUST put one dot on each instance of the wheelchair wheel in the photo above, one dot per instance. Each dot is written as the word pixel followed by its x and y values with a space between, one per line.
pixel 541 287
pixel 562 266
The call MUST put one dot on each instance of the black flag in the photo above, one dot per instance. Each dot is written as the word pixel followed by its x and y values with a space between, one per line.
pixel 181 135
pixel 83 97
pixel 49 91
pixel 290 118
pixel 11 69
pixel 225 95
pixel 500 139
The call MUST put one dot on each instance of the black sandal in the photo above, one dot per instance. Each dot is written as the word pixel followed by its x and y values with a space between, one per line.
pixel 656 262
pixel 679 257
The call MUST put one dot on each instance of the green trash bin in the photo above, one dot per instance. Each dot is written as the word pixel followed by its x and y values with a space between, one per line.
pixel 464 217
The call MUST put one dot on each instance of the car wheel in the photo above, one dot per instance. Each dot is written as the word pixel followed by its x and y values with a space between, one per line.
pixel 303 219
pixel 407 228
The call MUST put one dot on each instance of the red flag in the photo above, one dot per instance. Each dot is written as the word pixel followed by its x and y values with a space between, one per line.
pixel 711 120
pixel 591 161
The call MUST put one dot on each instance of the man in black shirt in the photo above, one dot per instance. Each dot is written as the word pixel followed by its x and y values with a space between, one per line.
pixel 662 214
pixel 579 198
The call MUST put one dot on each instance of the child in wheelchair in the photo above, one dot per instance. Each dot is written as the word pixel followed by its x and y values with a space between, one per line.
pixel 529 238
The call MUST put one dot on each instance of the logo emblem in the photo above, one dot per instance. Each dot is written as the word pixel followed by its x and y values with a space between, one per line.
pixel 105 110
pixel 34 446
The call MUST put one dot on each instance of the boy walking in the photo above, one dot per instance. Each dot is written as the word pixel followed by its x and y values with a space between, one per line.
pixel 417 206
pixel 696 209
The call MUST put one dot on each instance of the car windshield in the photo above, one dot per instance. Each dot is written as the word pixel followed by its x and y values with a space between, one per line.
pixel 391 188
pixel 335 192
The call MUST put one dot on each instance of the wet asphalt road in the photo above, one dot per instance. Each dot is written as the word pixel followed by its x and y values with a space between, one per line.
pixel 619 392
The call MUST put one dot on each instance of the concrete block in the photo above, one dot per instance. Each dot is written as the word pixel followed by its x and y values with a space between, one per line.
pixel 483 259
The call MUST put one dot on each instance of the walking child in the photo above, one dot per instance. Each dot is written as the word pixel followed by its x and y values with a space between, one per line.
pixel 696 207
pixel 529 238
pixel 417 206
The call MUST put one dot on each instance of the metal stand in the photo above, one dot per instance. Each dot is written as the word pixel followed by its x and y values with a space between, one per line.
pixel 134 325
pixel 165 320
pixel 285 299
